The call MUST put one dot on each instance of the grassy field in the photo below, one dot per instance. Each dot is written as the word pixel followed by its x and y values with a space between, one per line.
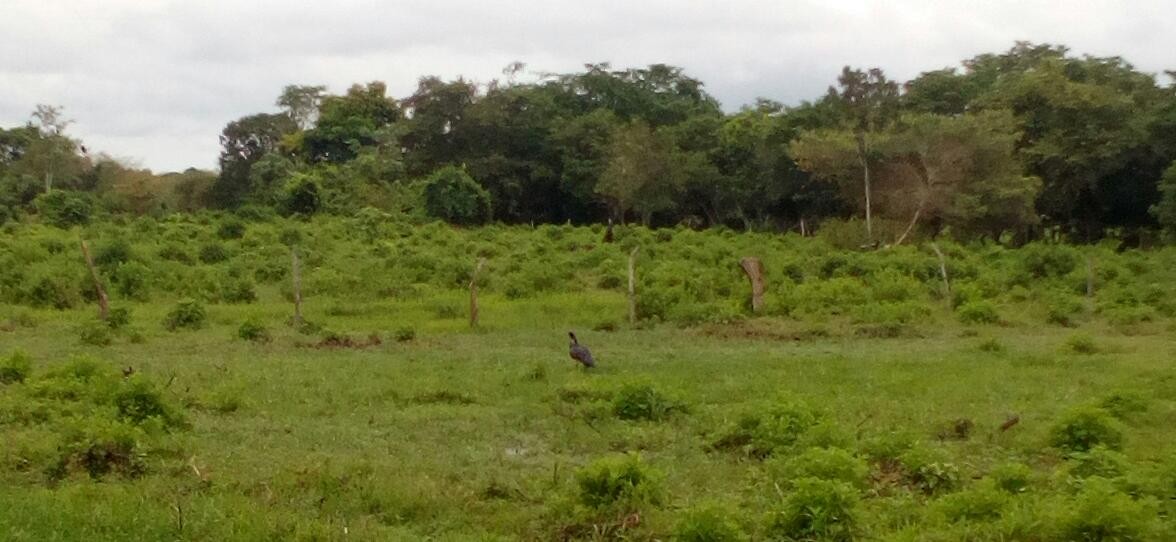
pixel 1034 400
pixel 458 434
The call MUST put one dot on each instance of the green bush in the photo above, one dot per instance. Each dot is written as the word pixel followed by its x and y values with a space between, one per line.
pixel 405 334
pixel 774 429
pixel 231 229
pixel 96 333
pixel 131 281
pixel 187 314
pixel 139 401
pixel 1081 344
pixel 1123 404
pixel 238 290
pixel 212 253
pixel 1101 512
pixel 64 208
pixel 1083 428
pixel 16 368
pixel 823 464
pixel 982 502
pixel 978 312
pixel 451 195
pixel 818 510
pixel 114 253
pixel 119 318
pixel 1012 477
pixel 623 481
pixel 1098 461
pixel 253 331
pixel 100 447
pixel 643 402
pixel 929 471
pixel 708 524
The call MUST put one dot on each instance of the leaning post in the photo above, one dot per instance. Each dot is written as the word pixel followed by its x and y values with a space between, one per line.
pixel 755 274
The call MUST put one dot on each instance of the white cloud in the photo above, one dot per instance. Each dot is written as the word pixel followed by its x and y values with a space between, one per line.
pixel 156 80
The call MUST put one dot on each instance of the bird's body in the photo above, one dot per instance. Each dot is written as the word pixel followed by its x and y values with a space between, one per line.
pixel 580 352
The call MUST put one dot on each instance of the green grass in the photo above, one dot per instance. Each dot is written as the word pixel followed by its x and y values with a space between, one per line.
pixel 456 435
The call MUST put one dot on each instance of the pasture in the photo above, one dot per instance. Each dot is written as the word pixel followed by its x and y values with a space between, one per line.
pixel 1032 398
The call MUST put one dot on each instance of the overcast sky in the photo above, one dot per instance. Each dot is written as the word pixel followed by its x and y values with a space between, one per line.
pixel 154 81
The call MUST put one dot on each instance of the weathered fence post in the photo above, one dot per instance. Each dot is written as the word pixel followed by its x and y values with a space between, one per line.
pixel 296 277
pixel 103 300
pixel 633 285
pixel 1090 283
pixel 943 272
pixel 474 293
pixel 755 274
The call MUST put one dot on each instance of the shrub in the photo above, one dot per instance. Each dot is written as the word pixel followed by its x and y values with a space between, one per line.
pixel 213 253
pixel 1098 461
pixel 187 314
pixel 619 480
pixel 1012 477
pixel 238 290
pixel 1122 404
pixel 119 318
pixel 982 502
pixel 100 447
pixel 405 334
pixel 254 331
pixel 175 253
pixel 231 229
pixel 1084 428
pixel 977 312
pixel 138 401
pixel 823 464
pixel 818 509
pixel 130 280
pixel 451 195
pixel 302 195
pixel 114 253
pixel 16 368
pixel 707 524
pixel 775 429
pixel 64 208
pixel 929 471
pixel 643 402
pixel 991 345
pixel 1081 344
pixel 95 333
pixel 1100 512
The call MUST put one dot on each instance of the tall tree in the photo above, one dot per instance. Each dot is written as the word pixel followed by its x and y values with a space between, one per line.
pixel 301 103
pixel 244 142
pixel 639 177
pixel 869 102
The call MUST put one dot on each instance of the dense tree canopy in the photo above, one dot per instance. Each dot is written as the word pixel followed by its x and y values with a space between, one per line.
pixel 1008 146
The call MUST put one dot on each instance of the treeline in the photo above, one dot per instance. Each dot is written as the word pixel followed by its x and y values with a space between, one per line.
pixel 1012 146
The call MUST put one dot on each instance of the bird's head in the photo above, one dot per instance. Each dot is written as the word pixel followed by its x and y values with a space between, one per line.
pixel 572 336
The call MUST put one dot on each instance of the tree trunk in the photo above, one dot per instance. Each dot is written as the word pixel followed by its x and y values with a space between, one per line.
pixel 474 293
pixel 755 274
pixel 633 285
pixel 103 300
pixel 943 272
pixel 911 226
pixel 296 282
pixel 865 162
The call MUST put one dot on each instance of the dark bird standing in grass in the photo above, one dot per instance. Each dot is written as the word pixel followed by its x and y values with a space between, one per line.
pixel 580 352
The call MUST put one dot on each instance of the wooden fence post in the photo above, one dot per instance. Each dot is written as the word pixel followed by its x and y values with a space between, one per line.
pixel 103 300
pixel 633 285
pixel 296 276
pixel 755 274
pixel 474 293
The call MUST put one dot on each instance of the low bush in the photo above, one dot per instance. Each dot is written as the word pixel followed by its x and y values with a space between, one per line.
pixel 15 368
pixel 1101 512
pixel 1081 344
pixel 818 510
pixel 978 312
pixel 708 524
pixel 623 481
pixel 821 463
pixel 96 333
pixel 981 502
pixel 254 331
pixel 638 401
pixel 1083 428
pixel 212 253
pixel 187 314
pixel 772 430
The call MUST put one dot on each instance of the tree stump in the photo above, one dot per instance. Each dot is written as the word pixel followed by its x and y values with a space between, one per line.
pixel 755 274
